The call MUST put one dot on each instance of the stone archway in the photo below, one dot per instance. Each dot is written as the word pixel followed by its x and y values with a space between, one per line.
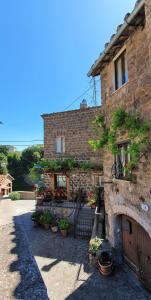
pixel 137 216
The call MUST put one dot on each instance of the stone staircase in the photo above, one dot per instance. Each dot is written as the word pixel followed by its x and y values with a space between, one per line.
pixel 84 222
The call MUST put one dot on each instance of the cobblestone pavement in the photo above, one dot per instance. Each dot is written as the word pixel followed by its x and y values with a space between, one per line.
pixel 64 266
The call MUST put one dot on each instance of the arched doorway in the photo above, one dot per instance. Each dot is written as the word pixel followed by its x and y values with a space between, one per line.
pixel 137 249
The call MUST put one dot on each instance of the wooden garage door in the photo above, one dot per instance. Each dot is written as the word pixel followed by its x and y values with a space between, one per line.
pixel 137 249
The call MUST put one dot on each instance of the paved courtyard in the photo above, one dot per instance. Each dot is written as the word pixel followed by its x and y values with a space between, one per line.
pixel 63 264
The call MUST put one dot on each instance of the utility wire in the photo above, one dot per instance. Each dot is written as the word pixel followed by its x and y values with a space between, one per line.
pixel 21 141
pixel 79 97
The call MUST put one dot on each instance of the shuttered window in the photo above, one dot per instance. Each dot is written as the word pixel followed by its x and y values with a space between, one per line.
pixel 60 144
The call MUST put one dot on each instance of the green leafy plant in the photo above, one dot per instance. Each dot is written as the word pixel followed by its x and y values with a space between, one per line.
pixel 46 218
pixel 130 124
pixel 46 165
pixel 14 196
pixel 95 245
pixel 35 217
pixel 64 224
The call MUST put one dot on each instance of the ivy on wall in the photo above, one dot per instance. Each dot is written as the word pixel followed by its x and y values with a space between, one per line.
pixel 123 123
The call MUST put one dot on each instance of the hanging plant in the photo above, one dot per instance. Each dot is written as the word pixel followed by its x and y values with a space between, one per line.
pixel 132 125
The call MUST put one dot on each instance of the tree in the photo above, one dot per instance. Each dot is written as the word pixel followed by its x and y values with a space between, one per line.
pixel 3 163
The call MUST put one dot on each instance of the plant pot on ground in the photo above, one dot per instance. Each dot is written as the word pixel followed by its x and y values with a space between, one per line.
pixel 105 263
pixel 54 226
pixel 64 226
pixel 94 247
pixel 45 220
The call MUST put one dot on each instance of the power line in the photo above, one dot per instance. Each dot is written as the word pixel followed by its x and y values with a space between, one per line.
pixel 79 97
pixel 21 141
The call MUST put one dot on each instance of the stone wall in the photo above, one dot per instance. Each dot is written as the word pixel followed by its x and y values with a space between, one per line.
pixel 77 128
pixel 122 197
pixel 77 179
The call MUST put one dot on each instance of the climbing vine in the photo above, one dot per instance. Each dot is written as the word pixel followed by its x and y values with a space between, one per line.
pixel 123 123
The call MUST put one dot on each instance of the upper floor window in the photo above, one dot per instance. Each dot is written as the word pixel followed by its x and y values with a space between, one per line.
pixel 121 74
pixel 120 161
pixel 60 144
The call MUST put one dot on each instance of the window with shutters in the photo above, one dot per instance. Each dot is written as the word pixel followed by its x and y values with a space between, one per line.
pixel 60 144
pixel 121 73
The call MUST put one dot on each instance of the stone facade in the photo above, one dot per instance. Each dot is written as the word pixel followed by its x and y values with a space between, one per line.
pixel 77 128
pixel 124 197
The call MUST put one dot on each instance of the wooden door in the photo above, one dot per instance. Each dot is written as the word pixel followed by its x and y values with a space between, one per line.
pixel 144 256
pixel 137 249
pixel 129 232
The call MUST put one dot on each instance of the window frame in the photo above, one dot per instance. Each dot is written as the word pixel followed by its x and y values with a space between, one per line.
pixel 122 56
pixel 62 144
pixel 121 159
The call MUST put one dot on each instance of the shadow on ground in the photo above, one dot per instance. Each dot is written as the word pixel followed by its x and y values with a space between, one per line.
pixel 88 284
pixel 31 285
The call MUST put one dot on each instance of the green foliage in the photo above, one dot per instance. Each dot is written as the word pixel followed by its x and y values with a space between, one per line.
pixel 131 124
pixel 64 224
pixel 14 196
pixel 20 165
pixel 47 165
pixel 4 150
pixel 3 164
pixel 35 217
pixel 95 245
pixel 46 218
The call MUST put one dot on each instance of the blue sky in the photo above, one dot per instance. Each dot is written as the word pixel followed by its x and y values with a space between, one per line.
pixel 46 50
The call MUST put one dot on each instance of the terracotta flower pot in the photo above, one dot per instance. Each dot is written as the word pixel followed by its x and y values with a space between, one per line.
pixel 46 226
pixel 64 232
pixel 105 268
pixel 54 229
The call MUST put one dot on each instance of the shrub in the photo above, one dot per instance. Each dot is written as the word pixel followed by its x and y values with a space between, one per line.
pixel 95 244
pixel 64 224
pixel 46 218
pixel 14 196
pixel 35 217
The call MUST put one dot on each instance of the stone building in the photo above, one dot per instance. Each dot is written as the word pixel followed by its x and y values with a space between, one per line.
pixel 5 184
pixel 125 71
pixel 66 136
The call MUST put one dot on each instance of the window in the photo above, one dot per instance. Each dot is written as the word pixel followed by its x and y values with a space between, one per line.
pixel 60 144
pixel 120 161
pixel 121 74
pixel 61 181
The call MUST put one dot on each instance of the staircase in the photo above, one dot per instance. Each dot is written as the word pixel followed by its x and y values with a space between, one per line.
pixel 84 222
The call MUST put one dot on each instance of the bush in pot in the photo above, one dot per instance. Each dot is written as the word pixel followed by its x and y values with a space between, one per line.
pixel 46 220
pixel 94 246
pixel 64 226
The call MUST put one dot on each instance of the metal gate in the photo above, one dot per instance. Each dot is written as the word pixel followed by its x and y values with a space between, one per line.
pixel 137 249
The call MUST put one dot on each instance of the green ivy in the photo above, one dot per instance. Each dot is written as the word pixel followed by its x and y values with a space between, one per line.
pixel 46 165
pixel 136 129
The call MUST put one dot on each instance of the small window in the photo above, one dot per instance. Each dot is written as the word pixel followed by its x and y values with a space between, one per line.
pixel 61 181
pixel 121 74
pixel 60 144
pixel 121 160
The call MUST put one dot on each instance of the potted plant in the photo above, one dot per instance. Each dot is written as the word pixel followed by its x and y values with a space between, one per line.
pixel 54 226
pixel 105 263
pixel 64 225
pixel 92 199
pixel 94 246
pixel 35 217
pixel 45 220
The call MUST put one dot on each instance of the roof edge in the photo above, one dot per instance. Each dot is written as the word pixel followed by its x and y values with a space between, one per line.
pixel 116 37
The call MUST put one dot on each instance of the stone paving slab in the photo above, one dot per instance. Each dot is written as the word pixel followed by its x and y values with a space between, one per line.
pixel 63 264
pixel 19 275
